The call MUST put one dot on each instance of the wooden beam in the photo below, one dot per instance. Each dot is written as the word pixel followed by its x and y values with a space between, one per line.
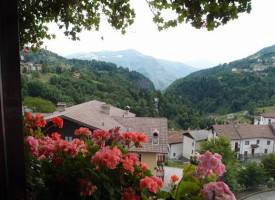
pixel 12 168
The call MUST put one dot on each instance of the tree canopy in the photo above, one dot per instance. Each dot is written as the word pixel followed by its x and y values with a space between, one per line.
pixel 76 16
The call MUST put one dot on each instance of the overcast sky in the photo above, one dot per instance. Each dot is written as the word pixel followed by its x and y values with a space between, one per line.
pixel 235 40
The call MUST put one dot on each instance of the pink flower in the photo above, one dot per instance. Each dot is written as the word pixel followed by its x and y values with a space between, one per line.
pixel 152 183
pixel 82 131
pixel 174 178
pixel 26 51
pixel 129 162
pixel 100 136
pixel 108 157
pixel 57 121
pixel 218 190
pixel 33 144
pixel 134 137
pixel 144 166
pixel 86 187
pixel 210 163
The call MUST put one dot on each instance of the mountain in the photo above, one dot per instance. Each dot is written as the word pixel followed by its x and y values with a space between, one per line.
pixel 239 85
pixel 103 81
pixel 161 72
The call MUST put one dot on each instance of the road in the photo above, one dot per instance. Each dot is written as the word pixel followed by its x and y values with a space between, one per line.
pixel 169 171
pixel 263 196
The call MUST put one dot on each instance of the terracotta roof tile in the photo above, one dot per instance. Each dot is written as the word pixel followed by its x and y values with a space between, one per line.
pixel 269 114
pixel 175 137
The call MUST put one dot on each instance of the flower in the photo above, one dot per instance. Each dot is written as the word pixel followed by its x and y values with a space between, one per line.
pixel 152 183
pixel 82 131
pixel 129 162
pixel 55 136
pixel 26 51
pixel 174 178
pixel 211 163
pixel 129 194
pixel 39 121
pixel 58 122
pixel 86 187
pixel 218 190
pixel 33 144
pixel 100 136
pixel 108 157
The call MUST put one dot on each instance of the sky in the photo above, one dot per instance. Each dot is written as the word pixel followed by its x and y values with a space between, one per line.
pixel 235 40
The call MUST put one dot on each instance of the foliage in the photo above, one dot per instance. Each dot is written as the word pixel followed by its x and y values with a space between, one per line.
pixel 76 16
pixel 107 82
pixel 198 180
pixel 37 104
pixel 96 166
pixel 222 146
pixel 268 162
pixel 219 90
pixel 252 175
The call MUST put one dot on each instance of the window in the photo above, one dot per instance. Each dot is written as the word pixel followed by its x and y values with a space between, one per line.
pixel 192 144
pixel 265 151
pixel 174 154
pixel 192 151
pixel 258 141
pixel 245 153
pixel 246 142
pixel 155 139
pixel 268 142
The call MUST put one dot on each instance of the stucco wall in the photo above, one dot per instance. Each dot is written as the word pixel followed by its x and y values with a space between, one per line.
pixel 188 147
pixel 175 149
pixel 259 150
pixel 150 159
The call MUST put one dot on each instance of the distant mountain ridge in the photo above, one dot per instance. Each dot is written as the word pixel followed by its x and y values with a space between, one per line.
pixel 161 72
pixel 243 84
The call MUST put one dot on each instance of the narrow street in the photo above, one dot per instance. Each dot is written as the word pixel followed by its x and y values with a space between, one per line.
pixel 169 171
pixel 263 196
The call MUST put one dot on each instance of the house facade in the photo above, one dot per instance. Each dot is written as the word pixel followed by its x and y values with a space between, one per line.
pixel 265 118
pixel 248 140
pixel 175 144
pixel 192 141
pixel 99 115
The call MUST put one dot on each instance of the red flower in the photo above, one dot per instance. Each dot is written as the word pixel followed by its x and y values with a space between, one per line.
pixel 29 116
pixel 57 121
pixel 56 136
pixel 174 178
pixel 39 121
pixel 86 187
pixel 153 184
pixel 100 136
pixel 129 194
pixel 82 131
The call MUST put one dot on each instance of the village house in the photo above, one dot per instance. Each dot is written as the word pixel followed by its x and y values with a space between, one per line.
pixel 175 144
pixel 192 141
pixel 265 118
pixel 99 115
pixel 248 140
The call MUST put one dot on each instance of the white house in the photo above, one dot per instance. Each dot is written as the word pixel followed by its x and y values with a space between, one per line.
pixel 175 142
pixel 265 118
pixel 193 139
pixel 248 140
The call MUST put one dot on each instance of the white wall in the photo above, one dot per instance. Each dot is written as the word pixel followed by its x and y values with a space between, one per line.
pixel 264 121
pixel 175 150
pixel 188 147
pixel 259 150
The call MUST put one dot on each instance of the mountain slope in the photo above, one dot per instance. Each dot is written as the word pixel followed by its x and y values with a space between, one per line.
pixel 160 72
pixel 240 85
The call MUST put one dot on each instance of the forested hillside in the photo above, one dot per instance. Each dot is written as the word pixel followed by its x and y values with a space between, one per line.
pixel 105 82
pixel 240 85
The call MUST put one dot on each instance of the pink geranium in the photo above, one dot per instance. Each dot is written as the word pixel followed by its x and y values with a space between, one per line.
pixel 82 131
pixel 218 190
pixel 152 183
pixel 129 194
pixel 100 136
pixel 86 187
pixel 129 161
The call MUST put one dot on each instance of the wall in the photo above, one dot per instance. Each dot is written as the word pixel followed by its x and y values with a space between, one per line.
pixel 175 148
pixel 188 147
pixel 264 121
pixel 150 159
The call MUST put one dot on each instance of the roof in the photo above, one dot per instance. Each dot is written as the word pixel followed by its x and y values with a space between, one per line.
pixel 148 126
pixel 199 135
pixel 91 115
pixel 175 137
pixel 244 131
pixel 269 114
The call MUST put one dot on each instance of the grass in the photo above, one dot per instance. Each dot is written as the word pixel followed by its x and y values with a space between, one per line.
pixel 46 77
pixel 177 164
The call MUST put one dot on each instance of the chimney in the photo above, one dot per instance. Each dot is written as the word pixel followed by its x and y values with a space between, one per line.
pixel 61 106
pixel 106 108
pixel 127 109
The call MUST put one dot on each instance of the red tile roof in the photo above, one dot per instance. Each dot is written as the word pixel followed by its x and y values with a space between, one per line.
pixel 175 137
pixel 269 114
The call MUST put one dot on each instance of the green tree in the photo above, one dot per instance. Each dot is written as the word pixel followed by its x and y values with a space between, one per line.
pixel 252 175
pixel 268 162
pixel 222 146
pixel 37 104
pixel 76 16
